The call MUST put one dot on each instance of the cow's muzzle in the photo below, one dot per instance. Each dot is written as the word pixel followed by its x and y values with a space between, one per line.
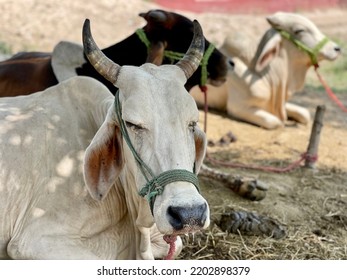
pixel 187 219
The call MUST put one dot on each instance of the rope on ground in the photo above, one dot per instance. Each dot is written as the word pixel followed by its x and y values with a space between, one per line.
pixel 304 157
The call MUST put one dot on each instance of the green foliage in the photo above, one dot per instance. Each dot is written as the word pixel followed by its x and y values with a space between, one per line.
pixel 5 48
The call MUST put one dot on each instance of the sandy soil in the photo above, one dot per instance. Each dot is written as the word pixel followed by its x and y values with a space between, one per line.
pixel 311 204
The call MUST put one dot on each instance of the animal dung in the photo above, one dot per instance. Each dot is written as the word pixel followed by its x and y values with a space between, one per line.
pixel 249 223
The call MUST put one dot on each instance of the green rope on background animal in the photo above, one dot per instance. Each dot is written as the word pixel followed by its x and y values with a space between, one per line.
pixel 142 36
pixel 176 56
pixel 312 52
pixel 173 56
pixel 155 184
pixel 204 63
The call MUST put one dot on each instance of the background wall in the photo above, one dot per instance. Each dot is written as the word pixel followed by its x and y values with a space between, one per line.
pixel 249 6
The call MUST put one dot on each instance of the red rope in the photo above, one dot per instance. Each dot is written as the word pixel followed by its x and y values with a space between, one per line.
pixel 329 91
pixel 204 91
pixel 288 168
pixel 170 239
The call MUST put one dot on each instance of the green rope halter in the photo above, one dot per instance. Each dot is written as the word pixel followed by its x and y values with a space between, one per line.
pixel 155 184
pixel 312 52
pixel 175 56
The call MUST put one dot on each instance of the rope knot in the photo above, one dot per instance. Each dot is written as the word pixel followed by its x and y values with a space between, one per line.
pixel 203 88
pixel 152 188
pixel 310 158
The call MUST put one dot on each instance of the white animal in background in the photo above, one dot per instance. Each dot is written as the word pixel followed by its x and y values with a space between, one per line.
pixel 268 72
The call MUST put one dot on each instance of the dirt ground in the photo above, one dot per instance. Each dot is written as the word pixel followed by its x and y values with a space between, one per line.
pixel 310 204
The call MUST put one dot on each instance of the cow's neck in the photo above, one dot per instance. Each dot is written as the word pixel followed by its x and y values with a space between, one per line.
pixel 286 76
pixel 298 65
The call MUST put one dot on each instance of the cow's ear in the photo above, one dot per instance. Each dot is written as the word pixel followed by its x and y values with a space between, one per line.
pixel 156 53
pixel 103 160
pixel 267 52
pixel 200 148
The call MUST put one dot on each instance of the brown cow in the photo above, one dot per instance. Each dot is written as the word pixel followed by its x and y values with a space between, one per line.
pixel 17 73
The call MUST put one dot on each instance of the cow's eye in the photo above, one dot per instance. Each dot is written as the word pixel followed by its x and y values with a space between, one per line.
pixel 192 125
pixel 298 31
pixel 133 127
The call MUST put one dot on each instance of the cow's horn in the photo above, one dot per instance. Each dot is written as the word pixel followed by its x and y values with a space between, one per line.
pixel 106 67
pixel 191 60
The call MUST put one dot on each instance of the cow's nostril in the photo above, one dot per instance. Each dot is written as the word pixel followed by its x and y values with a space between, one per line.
pixel 231 63
pixel 180 217
pixel 337 49
pixel 175 217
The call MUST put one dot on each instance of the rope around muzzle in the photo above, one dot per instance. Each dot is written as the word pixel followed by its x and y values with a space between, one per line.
pixel 176 56
pixel 155 184
pixel 312 52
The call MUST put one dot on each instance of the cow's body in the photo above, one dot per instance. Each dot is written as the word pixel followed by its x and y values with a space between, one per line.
pixel 164 30
pixel 266 75
pixel 43 195
pixel 46 211
pixel 69 182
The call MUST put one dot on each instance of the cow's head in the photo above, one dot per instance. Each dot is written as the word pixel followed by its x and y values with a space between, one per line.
pixel 314 46
pixel 160 118
pixel 175 32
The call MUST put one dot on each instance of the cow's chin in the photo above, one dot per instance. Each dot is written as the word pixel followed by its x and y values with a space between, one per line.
pixel 166 228
pixel 332 57
pixel 184 231
pixel 175 242
pixel 331 54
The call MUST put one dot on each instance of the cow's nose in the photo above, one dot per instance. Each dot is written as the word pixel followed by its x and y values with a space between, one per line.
pixel 231 64
pixel 337 49
pixel 180 217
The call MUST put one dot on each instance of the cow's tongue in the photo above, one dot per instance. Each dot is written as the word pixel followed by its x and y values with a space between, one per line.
pixel 170 239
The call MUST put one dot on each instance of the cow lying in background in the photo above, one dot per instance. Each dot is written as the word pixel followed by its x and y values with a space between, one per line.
pixel 266 75
pixel 30 72
pixel 69 181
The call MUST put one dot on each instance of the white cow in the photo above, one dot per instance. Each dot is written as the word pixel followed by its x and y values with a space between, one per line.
pixel 266 75
pixel 69 183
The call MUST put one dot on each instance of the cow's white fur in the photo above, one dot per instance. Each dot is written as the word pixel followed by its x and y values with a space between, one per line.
pixel 51 138
pixel 258 91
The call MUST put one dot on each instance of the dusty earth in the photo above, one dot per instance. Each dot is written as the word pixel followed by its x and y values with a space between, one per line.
pixel 311 205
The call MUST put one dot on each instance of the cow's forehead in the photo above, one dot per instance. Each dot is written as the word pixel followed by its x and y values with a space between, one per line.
pixel 289 21
pixel 152 77
pixel 159 90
